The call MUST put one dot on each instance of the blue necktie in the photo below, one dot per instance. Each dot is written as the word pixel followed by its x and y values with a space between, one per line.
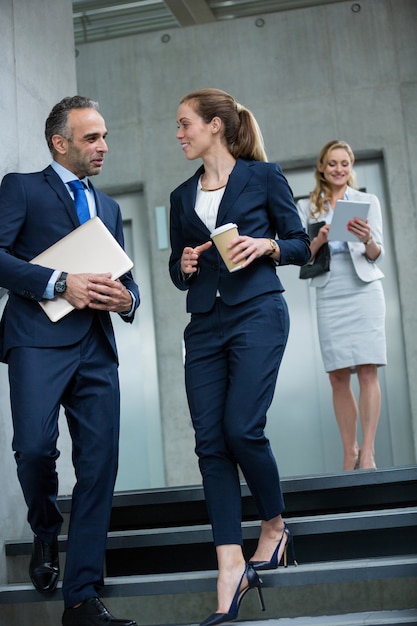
pixel 81 204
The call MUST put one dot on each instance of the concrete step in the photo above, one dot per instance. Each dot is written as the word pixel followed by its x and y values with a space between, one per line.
pixel 332 590
pixel 304 495
pixel 356 541
pixel 391 532
pixel 368 618
pixel 371 618
pixel 347 571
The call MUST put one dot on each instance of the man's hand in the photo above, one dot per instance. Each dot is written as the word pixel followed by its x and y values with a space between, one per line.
pixel 97 291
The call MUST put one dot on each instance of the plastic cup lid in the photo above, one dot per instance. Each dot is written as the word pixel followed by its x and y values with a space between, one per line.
pixel 222 229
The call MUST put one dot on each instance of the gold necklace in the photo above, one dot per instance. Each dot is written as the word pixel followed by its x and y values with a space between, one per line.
pixel 217 188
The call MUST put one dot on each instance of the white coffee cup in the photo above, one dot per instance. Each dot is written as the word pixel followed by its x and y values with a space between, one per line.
pixel 221 236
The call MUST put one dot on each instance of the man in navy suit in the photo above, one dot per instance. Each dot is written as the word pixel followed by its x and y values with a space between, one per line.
pixel 72 362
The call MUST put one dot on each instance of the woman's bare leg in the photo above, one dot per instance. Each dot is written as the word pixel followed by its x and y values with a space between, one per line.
pixel 369 410
pixel 271 533
pixel 231 564
pixel 346 412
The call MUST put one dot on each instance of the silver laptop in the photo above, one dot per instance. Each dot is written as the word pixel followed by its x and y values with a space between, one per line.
pixel 90 248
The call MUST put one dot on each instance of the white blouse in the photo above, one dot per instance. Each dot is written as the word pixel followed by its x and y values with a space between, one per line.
pixel 207 205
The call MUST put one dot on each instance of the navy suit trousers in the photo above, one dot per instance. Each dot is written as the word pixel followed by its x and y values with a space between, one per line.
pixel 233 354
pixel 83 378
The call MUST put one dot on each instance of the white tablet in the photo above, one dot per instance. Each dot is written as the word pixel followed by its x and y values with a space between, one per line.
pixel 344 212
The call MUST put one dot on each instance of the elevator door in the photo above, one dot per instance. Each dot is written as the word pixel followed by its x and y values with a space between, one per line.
pixel 141 463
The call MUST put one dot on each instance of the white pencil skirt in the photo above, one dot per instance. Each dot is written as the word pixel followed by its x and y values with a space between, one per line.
pixel 351 318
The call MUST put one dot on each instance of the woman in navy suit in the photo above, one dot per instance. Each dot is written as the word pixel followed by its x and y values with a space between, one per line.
pixel 239 324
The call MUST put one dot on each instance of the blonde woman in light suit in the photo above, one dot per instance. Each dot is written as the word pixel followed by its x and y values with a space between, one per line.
pixel 350 302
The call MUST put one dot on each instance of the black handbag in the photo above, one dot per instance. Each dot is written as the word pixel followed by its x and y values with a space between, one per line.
pixel 321 262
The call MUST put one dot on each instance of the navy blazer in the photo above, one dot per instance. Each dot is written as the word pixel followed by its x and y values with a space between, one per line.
pixel 259 200
pixel 36 211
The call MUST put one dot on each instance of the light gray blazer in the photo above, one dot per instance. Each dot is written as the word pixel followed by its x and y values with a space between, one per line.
pixel 366 270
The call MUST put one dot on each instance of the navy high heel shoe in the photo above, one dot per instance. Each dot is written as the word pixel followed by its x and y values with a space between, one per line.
pixel 254 582
pixel 273 563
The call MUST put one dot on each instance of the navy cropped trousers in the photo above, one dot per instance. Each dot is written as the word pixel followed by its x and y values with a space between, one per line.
pixel 233 354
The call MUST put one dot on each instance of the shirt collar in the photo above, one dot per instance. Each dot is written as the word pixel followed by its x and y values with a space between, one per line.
pixel 66 175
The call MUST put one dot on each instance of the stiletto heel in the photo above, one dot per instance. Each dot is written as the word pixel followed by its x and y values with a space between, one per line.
pixel 254 582
pixel 260 595
pixel 274 563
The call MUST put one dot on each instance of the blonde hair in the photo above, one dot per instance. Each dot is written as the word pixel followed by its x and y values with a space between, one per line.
pixel 239 126
pixel 322 192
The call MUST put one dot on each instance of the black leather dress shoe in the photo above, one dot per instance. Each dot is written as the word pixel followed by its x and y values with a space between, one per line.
pixel 92 612
pixel 44 565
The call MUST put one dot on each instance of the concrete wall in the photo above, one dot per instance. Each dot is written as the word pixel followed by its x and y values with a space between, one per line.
pixel 309 75
pixel 37 70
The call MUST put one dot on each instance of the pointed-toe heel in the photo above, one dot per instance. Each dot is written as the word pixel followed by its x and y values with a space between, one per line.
pixel 274 562
pixel 254 582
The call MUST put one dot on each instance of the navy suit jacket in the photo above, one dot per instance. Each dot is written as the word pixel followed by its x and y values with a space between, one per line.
pixel 36 211
pixel 259 200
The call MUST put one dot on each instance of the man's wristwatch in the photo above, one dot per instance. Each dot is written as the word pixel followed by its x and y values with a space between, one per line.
pixel 61 283
pixel 274 247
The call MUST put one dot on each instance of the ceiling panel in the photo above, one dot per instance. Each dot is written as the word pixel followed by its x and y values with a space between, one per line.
pixel 95 20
